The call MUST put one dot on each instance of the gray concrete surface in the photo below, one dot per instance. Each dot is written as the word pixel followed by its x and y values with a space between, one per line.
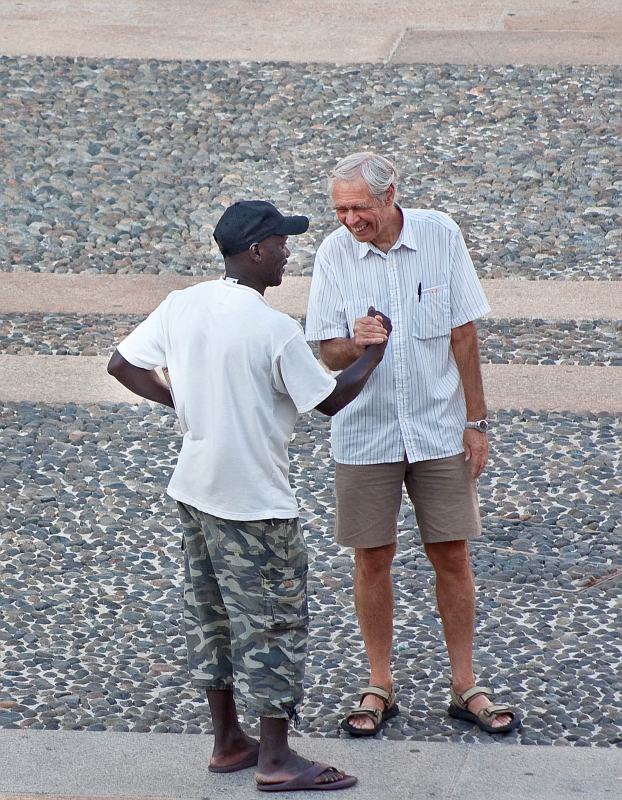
pixel 152 765
pixel 83 379
pixel 59 379
pixel 314 30
pixel 550 48
pixel 140 294
pixel 119 294
pixel 552 388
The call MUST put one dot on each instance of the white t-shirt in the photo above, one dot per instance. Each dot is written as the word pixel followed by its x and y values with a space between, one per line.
pixel 240 374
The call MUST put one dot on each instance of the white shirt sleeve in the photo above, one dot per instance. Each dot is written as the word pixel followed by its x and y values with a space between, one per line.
pixel 467 298
pixel 326 316
pixel 297 372
pixel 145 347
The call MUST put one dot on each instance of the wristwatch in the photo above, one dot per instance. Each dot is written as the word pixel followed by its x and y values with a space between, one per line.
pixel 481 425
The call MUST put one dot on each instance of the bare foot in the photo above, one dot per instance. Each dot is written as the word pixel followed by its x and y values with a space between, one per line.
pixel 291 766
pixel 367 723
pixel 234 751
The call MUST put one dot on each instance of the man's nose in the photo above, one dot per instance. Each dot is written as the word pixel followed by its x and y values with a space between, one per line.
pixel 351 218
pixel 288 252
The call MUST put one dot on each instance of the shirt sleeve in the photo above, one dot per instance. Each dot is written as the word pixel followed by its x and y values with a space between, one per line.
pixel 145 347
pixel 297 373
pixel 467 298
pixel 326 316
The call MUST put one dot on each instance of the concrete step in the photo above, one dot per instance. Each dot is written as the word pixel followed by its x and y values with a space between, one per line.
pixel 498 48
pixel 436 31
pixel 83 764
pixel 83 379
pixel 140 294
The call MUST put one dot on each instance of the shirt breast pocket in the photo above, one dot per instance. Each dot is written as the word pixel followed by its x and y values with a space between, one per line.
pixel 357 308
pixel 432 314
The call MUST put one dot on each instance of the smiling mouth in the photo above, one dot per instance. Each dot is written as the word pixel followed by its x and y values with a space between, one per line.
pixel 360 228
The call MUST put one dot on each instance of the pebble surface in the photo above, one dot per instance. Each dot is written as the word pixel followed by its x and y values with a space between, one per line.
pixel 502 341
pixel 90 581
pixel 124 166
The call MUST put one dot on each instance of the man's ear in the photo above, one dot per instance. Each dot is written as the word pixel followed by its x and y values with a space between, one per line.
pixel 390 196
pixel 255 252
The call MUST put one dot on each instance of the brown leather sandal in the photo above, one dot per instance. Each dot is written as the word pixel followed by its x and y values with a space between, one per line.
pixel 485 717
pixel 377 716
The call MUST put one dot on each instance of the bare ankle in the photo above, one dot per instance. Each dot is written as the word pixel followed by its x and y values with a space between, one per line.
pixel 460 686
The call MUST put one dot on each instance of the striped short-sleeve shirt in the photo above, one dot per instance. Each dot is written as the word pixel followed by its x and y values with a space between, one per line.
pixel 414 401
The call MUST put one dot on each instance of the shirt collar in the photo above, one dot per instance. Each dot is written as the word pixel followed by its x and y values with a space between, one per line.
pixel 240 288
pixel 406 239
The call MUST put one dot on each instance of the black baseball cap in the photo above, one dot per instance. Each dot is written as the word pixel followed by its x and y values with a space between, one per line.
pixel 250 221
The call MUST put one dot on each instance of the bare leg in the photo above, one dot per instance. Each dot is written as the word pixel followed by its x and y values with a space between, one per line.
pixel 231 744
pixel 277 762
pixel 373 598
pixel 455 595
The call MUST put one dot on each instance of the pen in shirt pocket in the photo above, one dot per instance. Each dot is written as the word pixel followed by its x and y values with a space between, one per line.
pixel 419 291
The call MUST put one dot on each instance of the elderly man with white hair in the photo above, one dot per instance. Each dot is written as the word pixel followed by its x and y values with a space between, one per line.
pixel 419 422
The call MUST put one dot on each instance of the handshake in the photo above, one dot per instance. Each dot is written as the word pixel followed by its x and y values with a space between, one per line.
pixel 373 329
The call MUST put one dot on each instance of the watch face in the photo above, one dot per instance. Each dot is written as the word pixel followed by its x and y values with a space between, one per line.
pixel 482 425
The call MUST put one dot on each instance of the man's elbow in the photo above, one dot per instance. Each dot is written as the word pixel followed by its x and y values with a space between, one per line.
pixel 328 407
pixel 116 364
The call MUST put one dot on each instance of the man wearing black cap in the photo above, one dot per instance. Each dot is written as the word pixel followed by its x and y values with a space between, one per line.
pixel 239 374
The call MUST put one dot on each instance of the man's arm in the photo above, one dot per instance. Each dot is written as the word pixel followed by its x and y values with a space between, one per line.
pixel 358 369
pixel 144 382
pixel 466 353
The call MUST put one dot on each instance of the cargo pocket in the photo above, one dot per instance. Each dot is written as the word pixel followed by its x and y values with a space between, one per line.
pixel 432 314
pixel 284 597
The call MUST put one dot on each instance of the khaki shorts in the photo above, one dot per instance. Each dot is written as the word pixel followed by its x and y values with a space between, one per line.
pixel 369 496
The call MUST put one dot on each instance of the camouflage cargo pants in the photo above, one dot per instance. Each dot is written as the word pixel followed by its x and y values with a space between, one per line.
pixel 245 608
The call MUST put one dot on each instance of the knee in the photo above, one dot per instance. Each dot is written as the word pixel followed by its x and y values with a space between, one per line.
pixel 374 562
pixel 451 559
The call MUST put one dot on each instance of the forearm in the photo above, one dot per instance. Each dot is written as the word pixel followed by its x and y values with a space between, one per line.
pixel 351 381
pixel 143 382
pixel 466 352
pixel 340 353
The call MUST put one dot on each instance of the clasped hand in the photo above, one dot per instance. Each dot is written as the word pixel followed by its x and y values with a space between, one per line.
pixel 375 328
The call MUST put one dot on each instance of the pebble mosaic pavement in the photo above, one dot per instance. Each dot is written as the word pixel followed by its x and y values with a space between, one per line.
pixel 90 586
pixel 502 341
pixel 125 166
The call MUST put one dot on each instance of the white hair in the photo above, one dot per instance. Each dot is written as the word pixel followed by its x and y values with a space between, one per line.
pixel 377 172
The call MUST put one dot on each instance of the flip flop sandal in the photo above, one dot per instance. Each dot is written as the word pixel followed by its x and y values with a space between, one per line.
pixel 251 760
pixel 377 716
pixel 486 716
pixel 306 781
